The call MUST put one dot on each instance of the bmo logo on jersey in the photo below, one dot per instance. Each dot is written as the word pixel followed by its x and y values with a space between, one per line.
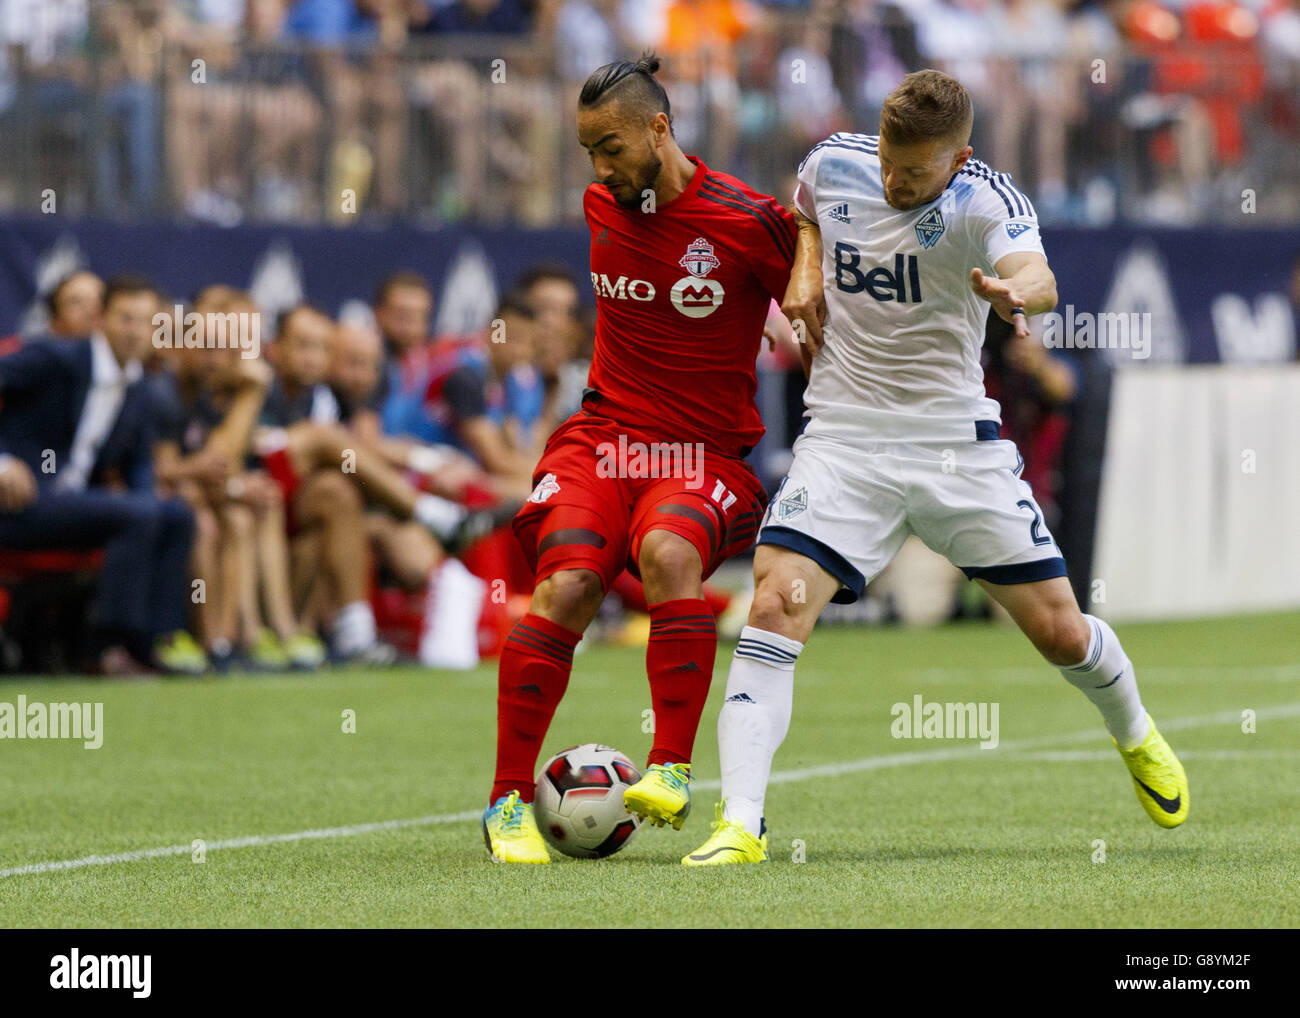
pixel 697 298
pixel 903 284
pixel 622 288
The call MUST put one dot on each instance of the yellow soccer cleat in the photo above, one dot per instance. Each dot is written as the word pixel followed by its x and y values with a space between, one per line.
pixel 510 832
pixel 1159 779
pixel 662 796
pixel 729 843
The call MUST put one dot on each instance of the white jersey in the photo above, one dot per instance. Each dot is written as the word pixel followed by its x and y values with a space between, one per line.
pixel 903 328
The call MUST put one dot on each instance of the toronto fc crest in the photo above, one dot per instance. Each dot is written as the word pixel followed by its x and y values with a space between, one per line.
pixel 699 259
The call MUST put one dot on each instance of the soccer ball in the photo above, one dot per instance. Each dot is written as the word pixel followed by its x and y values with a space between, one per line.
pixel 579 801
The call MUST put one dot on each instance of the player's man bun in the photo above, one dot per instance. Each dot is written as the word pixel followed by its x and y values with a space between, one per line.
pixel 926 106
pixel 631 82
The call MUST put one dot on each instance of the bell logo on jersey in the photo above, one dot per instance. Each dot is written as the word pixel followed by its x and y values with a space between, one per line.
pixel 699 259
pixel 622 288
pixel 880 282
pixel 697 298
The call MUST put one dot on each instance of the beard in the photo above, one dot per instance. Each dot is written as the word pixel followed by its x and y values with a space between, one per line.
pixel 913 202
pixel 633 191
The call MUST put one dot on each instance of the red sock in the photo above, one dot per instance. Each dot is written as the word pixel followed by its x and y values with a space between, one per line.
pixel 535 666
pixel 679 661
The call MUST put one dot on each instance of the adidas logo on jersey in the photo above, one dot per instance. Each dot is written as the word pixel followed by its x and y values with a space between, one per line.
pixel 603 236
pixel 840 213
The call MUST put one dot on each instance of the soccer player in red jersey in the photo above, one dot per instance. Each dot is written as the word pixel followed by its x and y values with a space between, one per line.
pixel 650 474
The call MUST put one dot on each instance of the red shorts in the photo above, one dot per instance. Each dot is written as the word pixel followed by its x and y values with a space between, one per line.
pixel 280 467
pixel 601 487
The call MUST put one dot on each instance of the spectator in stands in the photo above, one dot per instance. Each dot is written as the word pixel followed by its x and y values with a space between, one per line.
pixel 1035 387
pixel 45 44
pixel 130 104
pixel 450 405
pixel 355 74
pixel 259 87
pixel 515 387
pixel 84 479
pixel 700 51
pixel 207 408
pixel 403 309
pixel 1030 72
pixel 203 116
pixel 405 550
pixel 355 374
pixel 501 129
pixel 75 304
pixel 324 470
pixel 550 291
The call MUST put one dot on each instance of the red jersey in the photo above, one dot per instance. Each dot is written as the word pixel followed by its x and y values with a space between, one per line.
pixel 681 295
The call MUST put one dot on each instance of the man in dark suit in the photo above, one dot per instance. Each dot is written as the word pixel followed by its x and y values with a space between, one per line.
pixel 76 471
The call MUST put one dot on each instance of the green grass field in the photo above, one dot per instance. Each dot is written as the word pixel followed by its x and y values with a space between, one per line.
pixel 894 832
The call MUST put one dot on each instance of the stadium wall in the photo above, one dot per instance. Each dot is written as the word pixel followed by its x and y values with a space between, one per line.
pixel 1200 492
pixel 1213 294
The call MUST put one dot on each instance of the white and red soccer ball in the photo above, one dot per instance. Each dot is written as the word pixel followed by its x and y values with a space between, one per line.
pixel 579 801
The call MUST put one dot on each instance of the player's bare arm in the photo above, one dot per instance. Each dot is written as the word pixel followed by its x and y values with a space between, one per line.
pixel 1024 281
pixel 805 300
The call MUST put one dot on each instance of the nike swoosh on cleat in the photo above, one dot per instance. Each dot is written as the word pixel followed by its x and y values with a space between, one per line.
pixel 1111 682
pixel 710 855
pixel 1168 805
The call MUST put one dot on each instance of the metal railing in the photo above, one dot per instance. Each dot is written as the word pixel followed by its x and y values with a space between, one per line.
pixel 441 130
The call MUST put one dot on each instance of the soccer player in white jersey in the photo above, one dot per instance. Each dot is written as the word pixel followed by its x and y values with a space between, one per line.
pixel 903 241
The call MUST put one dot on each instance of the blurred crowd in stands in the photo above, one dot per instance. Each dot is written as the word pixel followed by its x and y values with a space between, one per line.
pixel 234 495
pixel 445 110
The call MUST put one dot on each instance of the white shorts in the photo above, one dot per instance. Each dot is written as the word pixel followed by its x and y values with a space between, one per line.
pixel 849 508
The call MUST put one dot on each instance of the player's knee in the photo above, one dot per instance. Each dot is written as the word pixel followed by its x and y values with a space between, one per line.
pixel 569 598
pixel 777 607
pixel 330 493
pixel 668 562
pixel 1062 636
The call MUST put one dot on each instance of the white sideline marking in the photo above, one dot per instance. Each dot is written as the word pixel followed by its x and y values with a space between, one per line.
pixel 1107 755
pixel 968 751
pixel 252 841
pixel 870 763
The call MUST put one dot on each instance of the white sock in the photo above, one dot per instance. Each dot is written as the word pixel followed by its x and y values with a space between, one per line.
pixel 452 606
pixel 1105 676
pixel 439 515
pixel 354 628
pixel 754 719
